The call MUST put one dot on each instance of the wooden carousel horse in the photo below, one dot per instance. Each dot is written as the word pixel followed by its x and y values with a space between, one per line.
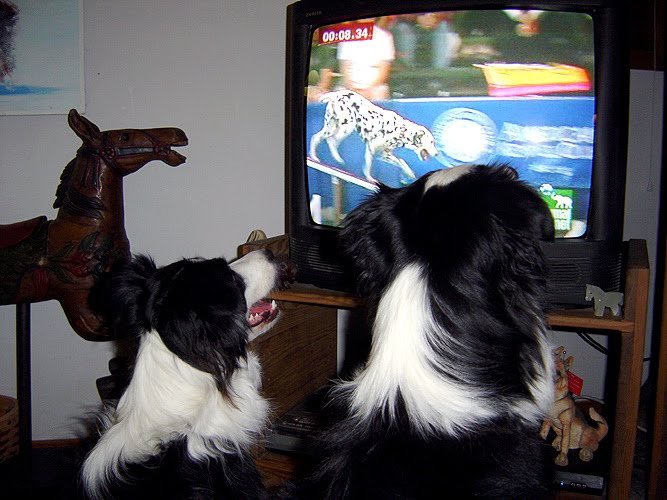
pixel 60 259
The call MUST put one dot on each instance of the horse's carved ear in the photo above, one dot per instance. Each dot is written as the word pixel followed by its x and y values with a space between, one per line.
pixel 87 131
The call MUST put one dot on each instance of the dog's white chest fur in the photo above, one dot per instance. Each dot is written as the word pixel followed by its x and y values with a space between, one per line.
pixel 168 399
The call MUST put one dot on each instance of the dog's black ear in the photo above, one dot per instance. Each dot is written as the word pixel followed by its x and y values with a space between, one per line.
pixel 126 290
pixel 505 171
pixel 201 316
pixel 367 241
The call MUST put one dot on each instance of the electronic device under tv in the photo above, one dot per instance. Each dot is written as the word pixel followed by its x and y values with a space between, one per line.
pixel 540 85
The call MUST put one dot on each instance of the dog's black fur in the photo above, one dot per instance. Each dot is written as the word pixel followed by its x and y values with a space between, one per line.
pixel 475 240
pixel 166 439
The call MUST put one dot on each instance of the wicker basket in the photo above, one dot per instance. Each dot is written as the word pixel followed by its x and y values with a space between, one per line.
pixel 9 428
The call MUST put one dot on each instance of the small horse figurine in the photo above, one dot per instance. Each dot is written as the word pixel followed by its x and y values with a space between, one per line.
pixel 602 300
pixel 60 259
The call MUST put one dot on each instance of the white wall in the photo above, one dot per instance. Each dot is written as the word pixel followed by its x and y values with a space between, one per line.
pixel 642 199
pixel 214 68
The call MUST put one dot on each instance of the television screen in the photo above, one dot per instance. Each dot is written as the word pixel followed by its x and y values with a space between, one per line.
pixel 391 98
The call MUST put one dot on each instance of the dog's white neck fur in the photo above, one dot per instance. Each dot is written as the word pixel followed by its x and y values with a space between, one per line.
pixel 168 399
pixel 402 362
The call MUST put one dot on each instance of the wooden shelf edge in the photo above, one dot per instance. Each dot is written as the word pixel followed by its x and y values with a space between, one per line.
pixel 306 294
pixel 584 318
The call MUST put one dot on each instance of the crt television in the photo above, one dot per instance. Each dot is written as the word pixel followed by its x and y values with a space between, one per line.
pixel 540 85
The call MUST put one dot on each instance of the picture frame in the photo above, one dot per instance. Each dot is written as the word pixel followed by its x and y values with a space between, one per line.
pixel 41 64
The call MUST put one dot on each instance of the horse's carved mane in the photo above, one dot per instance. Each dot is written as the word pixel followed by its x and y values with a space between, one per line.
pixel 72 201
pixel 65 176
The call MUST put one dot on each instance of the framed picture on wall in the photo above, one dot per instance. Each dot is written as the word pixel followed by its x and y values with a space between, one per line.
pixel 41 57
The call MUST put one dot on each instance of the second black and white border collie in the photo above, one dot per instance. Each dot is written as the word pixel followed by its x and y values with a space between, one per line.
pixel 459 374
pixel 185 424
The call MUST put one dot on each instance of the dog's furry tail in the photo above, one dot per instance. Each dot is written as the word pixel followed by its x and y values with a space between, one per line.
pixel 602 428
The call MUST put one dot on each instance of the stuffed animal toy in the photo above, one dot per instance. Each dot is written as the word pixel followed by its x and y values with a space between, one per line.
pixel 568 421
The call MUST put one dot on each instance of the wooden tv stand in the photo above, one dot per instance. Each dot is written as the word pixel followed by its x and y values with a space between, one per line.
pixel 299 355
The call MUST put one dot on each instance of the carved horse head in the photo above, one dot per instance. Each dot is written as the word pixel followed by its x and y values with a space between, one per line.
pixel 60 259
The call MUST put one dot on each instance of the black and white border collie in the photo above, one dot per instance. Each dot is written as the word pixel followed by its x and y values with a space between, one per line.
pixel 459 374
pixel 192 410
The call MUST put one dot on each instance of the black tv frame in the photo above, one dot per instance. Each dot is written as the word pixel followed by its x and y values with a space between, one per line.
pixel 595 258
